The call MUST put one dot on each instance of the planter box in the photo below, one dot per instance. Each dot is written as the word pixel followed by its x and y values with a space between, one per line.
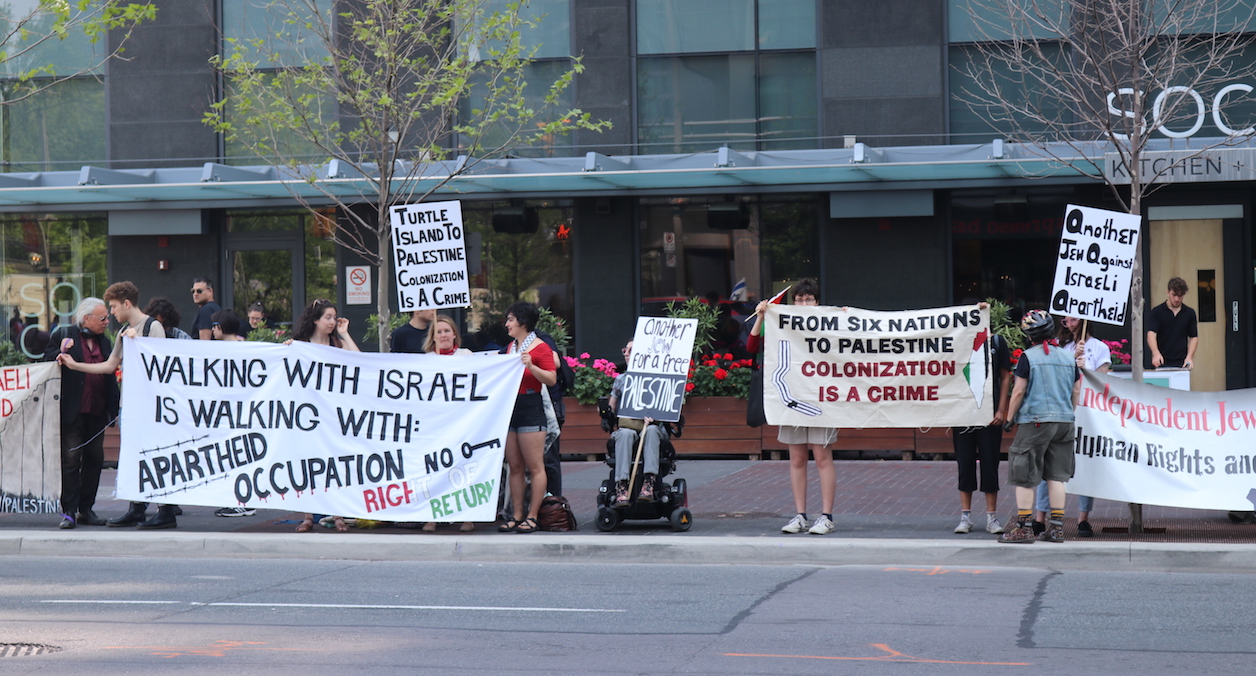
pixel 717 426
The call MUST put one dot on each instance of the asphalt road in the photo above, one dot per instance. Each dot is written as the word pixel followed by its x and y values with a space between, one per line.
pixel 210 616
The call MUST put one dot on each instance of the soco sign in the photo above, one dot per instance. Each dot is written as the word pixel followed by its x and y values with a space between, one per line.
pixel 1199 111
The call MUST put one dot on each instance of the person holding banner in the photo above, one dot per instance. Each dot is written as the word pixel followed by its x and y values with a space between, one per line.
pixel 319 325
pixel 982 445
pixel 89 403
pixel 1092 354
pixel 525 440
pixel 443 339
pixel 122 298
pixel 626 435
pixel 801 439
pixel 1048 382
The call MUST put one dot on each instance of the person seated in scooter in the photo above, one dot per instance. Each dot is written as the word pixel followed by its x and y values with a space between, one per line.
pixel 626 437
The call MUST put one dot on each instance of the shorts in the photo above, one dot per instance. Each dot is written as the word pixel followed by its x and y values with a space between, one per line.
pixel 1040 451
pixel 812 436
pixel 529 414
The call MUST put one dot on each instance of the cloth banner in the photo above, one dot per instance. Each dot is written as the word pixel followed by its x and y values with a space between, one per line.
pixel 845 367
pixel 30 439
pixel 309 428
pixel 1155 446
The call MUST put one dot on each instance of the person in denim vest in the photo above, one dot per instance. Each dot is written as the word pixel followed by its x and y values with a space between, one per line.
pixel 1043 398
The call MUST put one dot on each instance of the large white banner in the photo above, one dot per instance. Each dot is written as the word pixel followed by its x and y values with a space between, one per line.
pixel 654 385
pixel 430 256
pixel 394 437
pixel 834 367
pixel 1155 446
pixel 1093 265
pixel 30 439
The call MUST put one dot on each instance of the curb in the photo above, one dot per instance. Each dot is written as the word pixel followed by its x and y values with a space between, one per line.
pixel 669 549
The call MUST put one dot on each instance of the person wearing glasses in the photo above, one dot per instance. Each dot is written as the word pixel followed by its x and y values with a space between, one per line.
pixel 203 296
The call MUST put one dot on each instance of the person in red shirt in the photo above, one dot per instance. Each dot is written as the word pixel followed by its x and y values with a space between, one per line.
pixel 525 440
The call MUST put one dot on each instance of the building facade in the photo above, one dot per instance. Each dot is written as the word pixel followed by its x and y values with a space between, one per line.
pixel 753 143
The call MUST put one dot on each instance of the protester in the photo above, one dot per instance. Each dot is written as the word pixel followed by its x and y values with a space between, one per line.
pixel 525 439
pixel 801 439
pixel 982 445
pixel 411 337
pixel 257 317
pixel 443 339
pixel 122 298
pixel 1090 353
pixel 226 327
pixel 89 403
pixel 319 325
pixel 165 312
pixel 1173 330
pixel 626 437
pixel 1043 398
pixel 203 296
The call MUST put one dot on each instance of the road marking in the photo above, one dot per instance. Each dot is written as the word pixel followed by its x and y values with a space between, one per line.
pixel 400 607
pixel 939 570
pixel 107 601
pixel 218 648
pixel 348 606
pixel 890 655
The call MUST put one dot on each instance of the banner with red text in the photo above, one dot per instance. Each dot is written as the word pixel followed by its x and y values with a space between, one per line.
pixel 1155 446
pixel 30 439
pixel 309 428
pixel 846 367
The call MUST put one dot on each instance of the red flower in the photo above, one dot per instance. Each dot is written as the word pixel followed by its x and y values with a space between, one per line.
pixel 728 356
pixel 720 374
pixel 689 387
pixel 710 362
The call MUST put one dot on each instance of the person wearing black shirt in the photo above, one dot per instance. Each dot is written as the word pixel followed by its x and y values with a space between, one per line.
pixel 411 337
pixel 203 296
pixel 1173 330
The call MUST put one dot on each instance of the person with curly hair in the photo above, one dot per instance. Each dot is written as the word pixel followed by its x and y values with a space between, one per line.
pixel 525 440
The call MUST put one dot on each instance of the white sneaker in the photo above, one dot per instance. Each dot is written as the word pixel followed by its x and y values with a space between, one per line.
pixel 965 525
pixel 795 525
pixel 822 526
pixel 993 525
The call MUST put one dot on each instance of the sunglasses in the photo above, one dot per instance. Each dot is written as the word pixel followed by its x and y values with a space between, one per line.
pixel 196 291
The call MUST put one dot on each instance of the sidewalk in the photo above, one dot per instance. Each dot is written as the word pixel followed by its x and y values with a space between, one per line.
pixel 886 512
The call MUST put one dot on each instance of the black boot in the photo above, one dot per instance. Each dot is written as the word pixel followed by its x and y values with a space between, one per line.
pixel 163 519
pixel 133 516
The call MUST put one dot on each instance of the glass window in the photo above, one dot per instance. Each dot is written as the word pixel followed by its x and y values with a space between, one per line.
pixel 76 53
pixel 61 128
pixel 976 123
pixel 787 101
pixel 551 36
pixel 287 41
pixel 535 267
pixel 50 264
pixel 539 77
pixel 787 24
pixel 696 103
pixel 981 20
pixel 251 127
pixel 680 26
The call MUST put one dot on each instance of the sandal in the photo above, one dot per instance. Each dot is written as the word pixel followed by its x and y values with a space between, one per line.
pixel 508 527
pixel 429 527
pixel 529 525
pixel 341 527
pixel 305 526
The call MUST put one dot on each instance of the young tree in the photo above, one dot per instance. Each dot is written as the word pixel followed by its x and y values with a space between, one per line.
pixel 1073 79
pixel 390 90
pixel 28 28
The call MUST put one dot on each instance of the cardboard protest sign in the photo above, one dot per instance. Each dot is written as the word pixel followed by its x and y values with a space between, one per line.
pixel 430 256
pixel 834 367
pixel 1156 446
pixel 396 437
pixel 30 439
pixel 1095 260
pixel 654 385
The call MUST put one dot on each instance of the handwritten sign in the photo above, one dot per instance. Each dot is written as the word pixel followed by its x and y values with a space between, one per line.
pixel 654 386
pixel 430 256
pixel 1096 257
pixel 30 439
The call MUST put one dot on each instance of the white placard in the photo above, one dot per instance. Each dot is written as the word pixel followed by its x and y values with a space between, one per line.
pixel 310 428
pixel 654 386
pixel 357 285
pixel 1095 259
pixel 30 438
pixel 430 256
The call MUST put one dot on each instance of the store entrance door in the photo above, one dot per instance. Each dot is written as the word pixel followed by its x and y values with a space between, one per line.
pixel 268 268
pixel 1194 251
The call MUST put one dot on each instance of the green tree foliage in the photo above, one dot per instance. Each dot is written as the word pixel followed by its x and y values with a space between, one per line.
pixel 380 93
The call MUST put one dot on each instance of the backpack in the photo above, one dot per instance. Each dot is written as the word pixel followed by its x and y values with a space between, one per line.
pixel 176 332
